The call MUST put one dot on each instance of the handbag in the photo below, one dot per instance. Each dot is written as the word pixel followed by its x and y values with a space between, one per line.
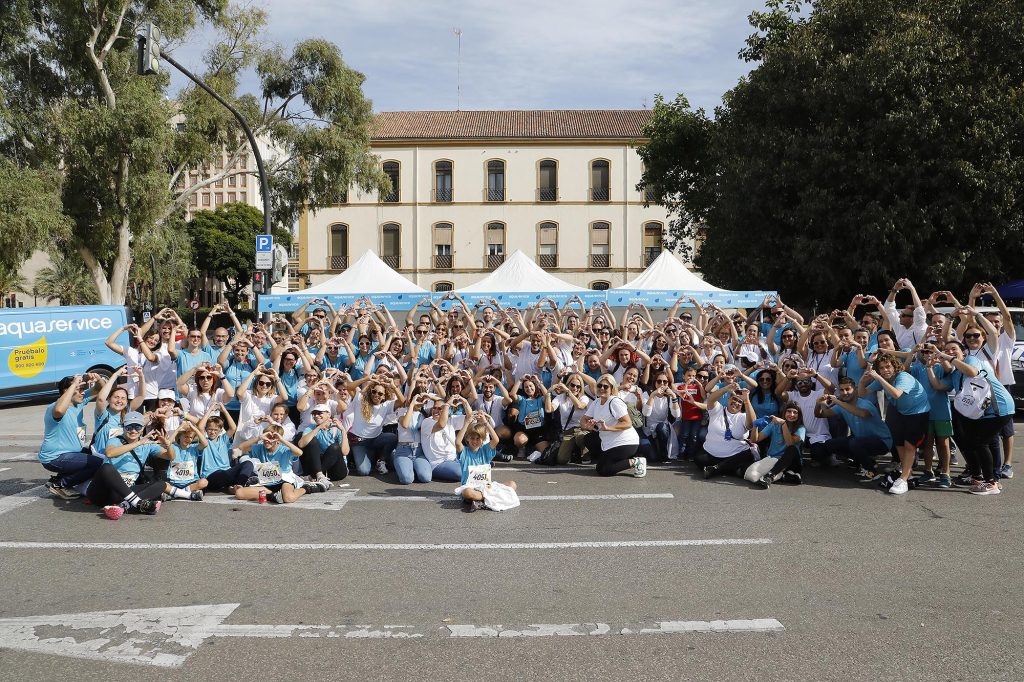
pixel 974 396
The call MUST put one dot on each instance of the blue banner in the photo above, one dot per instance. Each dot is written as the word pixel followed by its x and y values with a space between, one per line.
pixel 520 300
pixel 665 299
pixel 286 303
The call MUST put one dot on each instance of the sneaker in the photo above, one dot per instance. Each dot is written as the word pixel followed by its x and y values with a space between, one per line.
pixel 475 505
pixel 534 456
pixel 1006 471
pixel 927 476
pixel 149 507
pixel 899 487
pixel 966 479
pixel 113 511
pixel 61 492
pixel 322 479
pixel 867 476
pixel 709 471
pixel 312 487
pixel 885 482
pixel 985 488
pixel 503 457
pixel 792 477
pixel 639 467
pixel 196 496
pixel 276 498
pixel 765 481
pixel 944 481
pixel 251 481
pixel 382 467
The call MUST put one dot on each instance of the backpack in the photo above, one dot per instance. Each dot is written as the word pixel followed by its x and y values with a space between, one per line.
pixel 635 416
pixel 974 396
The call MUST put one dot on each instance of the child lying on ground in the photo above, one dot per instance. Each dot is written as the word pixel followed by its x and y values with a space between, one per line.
pixel 477 489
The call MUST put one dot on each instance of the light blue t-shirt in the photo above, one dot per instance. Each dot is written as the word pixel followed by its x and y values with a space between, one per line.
pixel 532 409
pixel 765 407
pixel 325 437
pixel 468 458
pixel 913 401
pixel 65 435
pixel 237 372
pixel 870 426
pixel 216 455
pixel 126 463
pixel 282 455
pixel 186 360
pixel 107 426
pixel 291 380
pixel 851 365
pixel 1001 403
pixel 183 455
pixel 777 444
pixel 938 401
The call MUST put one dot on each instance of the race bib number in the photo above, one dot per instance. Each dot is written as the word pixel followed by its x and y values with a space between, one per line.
pixel 479 473
pixel 129 479
pixel 533 420
pixel 182 471
pixel 269 472
pixel 83 437
pixel 116 432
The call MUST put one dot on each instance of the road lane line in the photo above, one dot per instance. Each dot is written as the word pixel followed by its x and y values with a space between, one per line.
pixel 383 547
pixel 527 498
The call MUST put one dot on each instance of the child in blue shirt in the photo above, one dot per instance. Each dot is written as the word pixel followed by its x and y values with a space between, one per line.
pixel 183 471
pixel 476 455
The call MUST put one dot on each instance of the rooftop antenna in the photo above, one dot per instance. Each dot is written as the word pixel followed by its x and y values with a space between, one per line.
pixel 458 79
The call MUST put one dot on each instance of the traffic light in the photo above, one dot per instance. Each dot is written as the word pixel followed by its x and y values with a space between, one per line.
pixel 257 282
pixel 149 50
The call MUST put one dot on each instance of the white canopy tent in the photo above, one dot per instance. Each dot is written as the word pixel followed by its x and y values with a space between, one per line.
pixel 368 276
pixel 519 281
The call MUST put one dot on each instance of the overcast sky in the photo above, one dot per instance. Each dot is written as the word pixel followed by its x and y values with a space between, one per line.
pixel 524 54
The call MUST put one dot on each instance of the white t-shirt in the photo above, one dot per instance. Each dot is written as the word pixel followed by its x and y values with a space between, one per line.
pixel 657 411
pixel 253 406
pixel 167 374
pixel 438 447
pixel 411 434
pixel 632 398
pixel 493 407
pixel 817 427
pixel 715 444
pixel 610 413
pixel 565 405
pixel 306 416
pixel 198 403
pixel 526 362
pixel 379 415
pixel 1004 358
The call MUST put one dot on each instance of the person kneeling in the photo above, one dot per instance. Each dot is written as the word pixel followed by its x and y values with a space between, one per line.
pixel 477 489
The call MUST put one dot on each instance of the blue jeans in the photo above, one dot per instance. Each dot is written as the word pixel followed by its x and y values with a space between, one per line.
pixel 448 471
pixel 688 431
pixel 659 439
pixel 73 468
pixel 863 450
pixel 411 464
pixel 380 448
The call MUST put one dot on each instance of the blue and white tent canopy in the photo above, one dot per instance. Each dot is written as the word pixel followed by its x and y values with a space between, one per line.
pixel 666 279
pixel 520 282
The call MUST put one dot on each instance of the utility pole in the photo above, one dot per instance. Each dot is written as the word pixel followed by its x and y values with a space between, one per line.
pixel 149 56
pixel 458 72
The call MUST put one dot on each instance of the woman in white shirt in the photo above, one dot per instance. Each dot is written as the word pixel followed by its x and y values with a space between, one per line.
pixel 372 406
pixel 437 437
pixel 257 402
pixel 199 386
pixel 726 449
pixel 660 409
pixel 614 441
pixel 569 403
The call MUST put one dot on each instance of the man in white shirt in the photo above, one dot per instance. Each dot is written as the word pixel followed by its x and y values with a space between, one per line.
pixel 910 325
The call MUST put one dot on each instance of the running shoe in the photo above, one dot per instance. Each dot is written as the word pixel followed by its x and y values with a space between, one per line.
pixel 322 479
pixel 1006 471
pixel 966 479
pixel 149 507
pixel 944 481
pixel 251 481
pixel 276 498
pixel 196 496
pixel 503 457
pixel 534 456
pixel 61 492
pixel 985 488
pixel 898 487
pixel 927 476
pixel 639 467
pixel 765 481
pixel 382 467
pixel 113 511
pixel 792 477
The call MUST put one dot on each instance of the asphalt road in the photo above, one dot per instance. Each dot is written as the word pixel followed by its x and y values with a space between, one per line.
pixel 862 585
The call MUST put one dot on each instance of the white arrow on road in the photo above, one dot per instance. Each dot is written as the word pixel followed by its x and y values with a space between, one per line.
pixel 167 637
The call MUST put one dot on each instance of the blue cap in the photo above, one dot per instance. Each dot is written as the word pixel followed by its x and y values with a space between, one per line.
pixel 133 418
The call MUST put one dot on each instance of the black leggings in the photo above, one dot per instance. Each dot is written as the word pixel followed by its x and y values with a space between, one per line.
pixel 107 487
pixel 734 464
pixel 316 460
pixel 789 460
pixel 974 436
pixel 612 461
pixel 235 475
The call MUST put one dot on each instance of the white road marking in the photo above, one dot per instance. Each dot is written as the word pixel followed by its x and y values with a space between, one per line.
pixel 334 499
pixel 20 457
pixel 5 468
pixel 381 547
pixel 11 502
pixel 527 498
pixel 166 637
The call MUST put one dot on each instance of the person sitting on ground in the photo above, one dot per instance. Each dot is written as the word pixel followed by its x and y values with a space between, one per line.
pixel 784 434
pixel 475 457
pixel 325 448
pixel 118 484
pixel 869 436
pixel 272 457
pixel 613 442
pixel 183 472
pixel 218 468
pixel 64 437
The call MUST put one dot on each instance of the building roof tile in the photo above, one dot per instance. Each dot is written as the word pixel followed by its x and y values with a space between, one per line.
pixel 514 124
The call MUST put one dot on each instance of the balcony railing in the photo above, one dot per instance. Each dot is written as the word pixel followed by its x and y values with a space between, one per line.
pixel 599 194
pixel 547 260
pixel 650 196
pixel 493 260
pixel 651 254
pixel 443 262
pixel 337 262
pixel 494 194
pixel 547 194
pixel 392 261
pixel 443 195
pixel 599 260
pixel 389 198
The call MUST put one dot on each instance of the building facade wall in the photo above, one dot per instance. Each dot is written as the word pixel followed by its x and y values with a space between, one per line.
pixel 417 211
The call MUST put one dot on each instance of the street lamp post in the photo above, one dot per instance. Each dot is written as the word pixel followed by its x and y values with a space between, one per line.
pixel 149 56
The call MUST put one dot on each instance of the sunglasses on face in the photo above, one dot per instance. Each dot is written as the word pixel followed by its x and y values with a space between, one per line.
pixel 133 427
pixel 205 378
pixel 660 381
pixel 575 386
pixel 264 383
pixel 604 385
pixel 378 394
pixel 687 318
pixel 972 336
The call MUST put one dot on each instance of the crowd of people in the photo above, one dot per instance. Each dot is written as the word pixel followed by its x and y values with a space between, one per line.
pixel 279 410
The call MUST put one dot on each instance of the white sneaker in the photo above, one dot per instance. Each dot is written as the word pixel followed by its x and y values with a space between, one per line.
pixel 639 467
pixel 899 487
pixel 323 480
pixel 534 456
pixel 382 468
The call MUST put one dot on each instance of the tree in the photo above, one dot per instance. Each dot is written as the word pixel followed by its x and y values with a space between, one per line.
pixel 874 139
pixel 77 105
pixel 11 282
pixel 66 280
pixel 224 241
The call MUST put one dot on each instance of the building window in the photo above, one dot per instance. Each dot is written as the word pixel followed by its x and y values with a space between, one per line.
pixel 219 184
pixel 244 180
pixel 338 257
pixel 652 242
pixel 650 196
pixel 547 245
pixel 243 162
pixel 547 181
pixel 495 181
pixel 193 200
pixel 443 257
pixel 232 180
pixel 241 197
pixel 495 241
pixel 599 180
pixel 391 244
pixel 391 169
pixel 599 285
pixel 220 199
pixel 443 286
pixel 443 181
pixel 231 197
pixel 206 200
pixel 600 243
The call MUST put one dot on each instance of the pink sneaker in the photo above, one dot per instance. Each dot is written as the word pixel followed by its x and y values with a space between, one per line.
pixel 985 488
pixel 113 511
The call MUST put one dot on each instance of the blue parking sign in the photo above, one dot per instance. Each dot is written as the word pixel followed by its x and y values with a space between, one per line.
pixel 264 242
